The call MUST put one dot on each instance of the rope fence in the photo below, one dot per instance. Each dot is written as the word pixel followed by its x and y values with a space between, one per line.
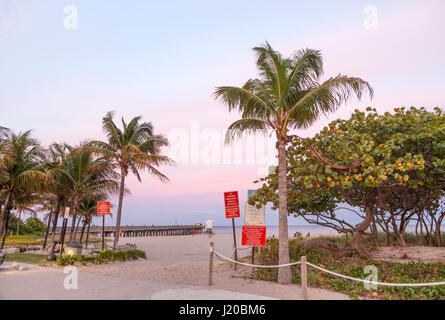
pixel 424 284
pixel 223 257
pixel 304 263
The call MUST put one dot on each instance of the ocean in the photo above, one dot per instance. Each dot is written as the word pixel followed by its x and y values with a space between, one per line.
pixel 273 230
pixel 304 230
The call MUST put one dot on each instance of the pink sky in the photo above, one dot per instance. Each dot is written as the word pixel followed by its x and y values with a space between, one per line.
pixel 62 83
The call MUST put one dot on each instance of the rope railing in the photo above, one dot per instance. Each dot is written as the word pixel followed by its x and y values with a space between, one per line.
pixel 239 248
pixel 255 265
pixel 303 262
pixel 245 248
pixel 423 284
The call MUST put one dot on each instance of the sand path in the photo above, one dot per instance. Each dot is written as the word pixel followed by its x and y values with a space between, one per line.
pixel 177 268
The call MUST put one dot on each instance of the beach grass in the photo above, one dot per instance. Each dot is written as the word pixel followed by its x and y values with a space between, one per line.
pixel 353 265
pixel 36 239
pixel 23 240
pixel 30 258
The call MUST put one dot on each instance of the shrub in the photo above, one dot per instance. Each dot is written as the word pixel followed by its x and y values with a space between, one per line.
pixel 135 254
pixel 353 266
pixel 34 225
pixel 66 259
pixel 101 257
pixel 105 254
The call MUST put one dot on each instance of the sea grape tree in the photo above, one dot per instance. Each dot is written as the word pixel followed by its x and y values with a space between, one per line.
pixel 385 160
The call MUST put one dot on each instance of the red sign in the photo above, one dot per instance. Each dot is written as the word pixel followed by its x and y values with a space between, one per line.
pixel 254 236
pixel 103 208
pixel 232 204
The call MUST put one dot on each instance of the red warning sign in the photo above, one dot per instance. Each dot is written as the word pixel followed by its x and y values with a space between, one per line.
pixel 254 236
pixel 232 204
pixel 103 208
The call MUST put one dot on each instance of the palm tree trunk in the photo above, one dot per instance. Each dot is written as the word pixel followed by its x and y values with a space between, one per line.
pixel 119 209
pixel 18 223
pixel 284 274
pixel 7 213
pixel 47 230
pixel 4 217
pixel 77 227
pixel 83 230
pixel 73 224
pixel 88 233
pixel 53 234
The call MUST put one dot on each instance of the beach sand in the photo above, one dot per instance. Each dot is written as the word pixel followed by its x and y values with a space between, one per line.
pixel 409 254
pixel 177 268
pixel 184 260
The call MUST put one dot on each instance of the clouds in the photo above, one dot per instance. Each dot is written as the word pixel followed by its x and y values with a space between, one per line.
pixel 163 61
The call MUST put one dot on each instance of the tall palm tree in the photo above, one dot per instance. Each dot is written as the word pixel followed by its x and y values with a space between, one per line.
pixel 22 171
pixel 286 96
pixel 133 148
pixel 56 185
pixel 83 176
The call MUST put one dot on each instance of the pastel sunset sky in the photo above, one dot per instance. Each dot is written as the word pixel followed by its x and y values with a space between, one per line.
pixel 163 60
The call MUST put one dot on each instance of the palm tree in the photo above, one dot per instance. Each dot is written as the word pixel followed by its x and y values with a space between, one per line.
pixel 287 95
pixel 56 185
pixel 82 177
pixel 5 157
pixel 22 171
pixel 133 148
pixel 24 202
pixel 88 210
pixel 47 205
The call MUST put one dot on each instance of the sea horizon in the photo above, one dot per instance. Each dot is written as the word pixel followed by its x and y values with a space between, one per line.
pixel 312 230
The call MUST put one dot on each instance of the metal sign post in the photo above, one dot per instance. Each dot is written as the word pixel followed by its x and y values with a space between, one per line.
pixel 235 254
pixel 103 232
pixel 103 209
pixel 64 225
pixel 231 203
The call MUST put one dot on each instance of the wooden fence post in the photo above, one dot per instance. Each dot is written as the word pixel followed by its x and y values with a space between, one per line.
pixel 304 277
pixel 253 255
pixel 234 257
pixel 212 248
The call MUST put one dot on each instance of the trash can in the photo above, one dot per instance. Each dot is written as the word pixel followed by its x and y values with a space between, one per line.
pixel 73 248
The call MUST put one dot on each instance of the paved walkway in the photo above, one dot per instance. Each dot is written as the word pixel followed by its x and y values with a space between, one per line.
pixel 48 283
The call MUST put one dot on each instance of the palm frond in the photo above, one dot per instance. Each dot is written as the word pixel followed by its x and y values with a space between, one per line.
pixel 113 133
pixel 243 99
pixel 307 67
pixel 273 68
pixel 243 126
pixel 324 98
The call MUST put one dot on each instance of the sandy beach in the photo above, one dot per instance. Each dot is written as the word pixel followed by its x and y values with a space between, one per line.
pixel 177 263
pixel 185 260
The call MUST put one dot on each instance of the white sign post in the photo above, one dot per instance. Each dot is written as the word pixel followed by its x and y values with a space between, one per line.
pixel 67 213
